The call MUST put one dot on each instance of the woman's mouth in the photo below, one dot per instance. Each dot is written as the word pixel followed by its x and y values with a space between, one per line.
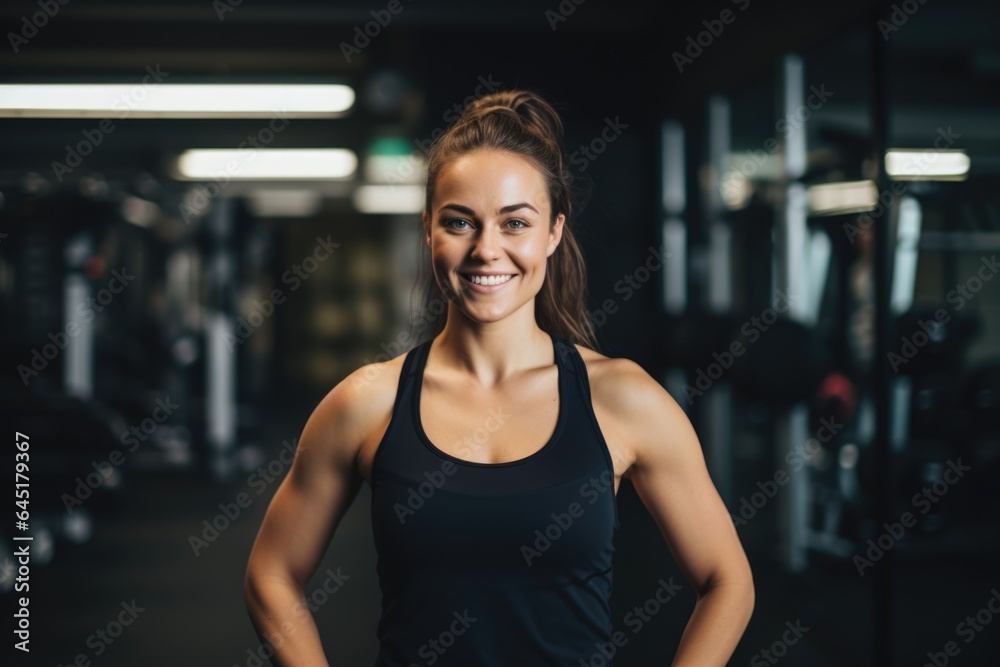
pixel 486 284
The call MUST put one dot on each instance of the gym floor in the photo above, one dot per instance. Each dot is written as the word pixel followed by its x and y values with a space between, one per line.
pixel 176 606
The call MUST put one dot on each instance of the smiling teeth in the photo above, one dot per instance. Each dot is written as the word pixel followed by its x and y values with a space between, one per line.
pixel 490 280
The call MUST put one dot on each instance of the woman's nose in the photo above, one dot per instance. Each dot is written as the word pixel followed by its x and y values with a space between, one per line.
pixel 487 243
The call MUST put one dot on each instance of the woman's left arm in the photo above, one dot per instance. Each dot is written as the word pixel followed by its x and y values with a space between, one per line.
pixel 670 477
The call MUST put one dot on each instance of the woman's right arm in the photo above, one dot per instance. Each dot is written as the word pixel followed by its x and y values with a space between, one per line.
pixel 300 520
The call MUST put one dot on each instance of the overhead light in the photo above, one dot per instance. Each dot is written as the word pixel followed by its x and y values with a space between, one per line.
pixel 140 212
pixel 391 160
pixel 841 198
pixel 389 198
pixel 223 164
pixel 392 169
pixel 174 100
pixel 285 203
pixel 904 164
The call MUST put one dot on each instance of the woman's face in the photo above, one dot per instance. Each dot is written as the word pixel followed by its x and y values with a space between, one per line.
pixel 490 216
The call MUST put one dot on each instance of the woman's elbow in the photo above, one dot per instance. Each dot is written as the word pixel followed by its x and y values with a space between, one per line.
pixel 739 588
pixel 747 593
pixel 251 590
pixel 259 584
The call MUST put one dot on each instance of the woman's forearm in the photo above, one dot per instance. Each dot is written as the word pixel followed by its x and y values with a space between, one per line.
pixel 283 622
pixel 718 621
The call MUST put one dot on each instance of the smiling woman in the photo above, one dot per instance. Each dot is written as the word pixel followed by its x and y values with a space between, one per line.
pixel 506 147
pixel 495 448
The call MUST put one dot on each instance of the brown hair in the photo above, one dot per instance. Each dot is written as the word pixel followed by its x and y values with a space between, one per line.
pixel 521 122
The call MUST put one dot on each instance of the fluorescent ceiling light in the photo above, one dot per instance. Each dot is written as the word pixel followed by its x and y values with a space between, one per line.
pixel 391 160
pixel 926 165
pixel 389 198
pixel 174 100
pixel 392 169
pixel 285 203
pixel 841 198
pixel 223 164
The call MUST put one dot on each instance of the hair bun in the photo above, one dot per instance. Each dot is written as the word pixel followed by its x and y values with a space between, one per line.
pixel 532 109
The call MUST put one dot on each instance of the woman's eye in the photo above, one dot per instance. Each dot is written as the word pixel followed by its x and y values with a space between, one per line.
pixel 516 223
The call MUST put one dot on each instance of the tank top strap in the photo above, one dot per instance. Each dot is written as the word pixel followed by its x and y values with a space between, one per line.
pixel 412 373
pixel 566 356
pixel 404 384
pixel 412 360
pixel 577 370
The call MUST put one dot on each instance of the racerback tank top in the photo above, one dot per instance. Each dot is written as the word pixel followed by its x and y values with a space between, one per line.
pixel 494 565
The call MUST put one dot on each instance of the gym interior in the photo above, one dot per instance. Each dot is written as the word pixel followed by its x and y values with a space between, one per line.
pixel 790 216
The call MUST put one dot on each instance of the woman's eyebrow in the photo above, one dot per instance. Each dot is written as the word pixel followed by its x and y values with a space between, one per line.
pixel 513 207
pixel 506 209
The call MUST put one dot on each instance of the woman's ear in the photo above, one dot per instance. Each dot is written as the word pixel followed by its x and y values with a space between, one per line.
pixel 555 236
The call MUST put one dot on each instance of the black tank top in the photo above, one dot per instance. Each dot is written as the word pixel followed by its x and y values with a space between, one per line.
pixel 484 564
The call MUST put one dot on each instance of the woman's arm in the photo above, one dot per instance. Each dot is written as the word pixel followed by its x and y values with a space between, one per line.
pixel 300 521
pixel 670 477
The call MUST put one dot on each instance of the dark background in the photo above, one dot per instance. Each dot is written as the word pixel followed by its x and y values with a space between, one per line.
pixel 605 60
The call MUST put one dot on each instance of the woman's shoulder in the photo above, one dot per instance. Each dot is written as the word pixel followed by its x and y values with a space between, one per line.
pixel 623 386
pixel 610 370
pixel 359 402
pixel 634 410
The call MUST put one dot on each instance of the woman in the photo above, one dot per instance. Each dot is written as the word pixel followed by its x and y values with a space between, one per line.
pixel 493 467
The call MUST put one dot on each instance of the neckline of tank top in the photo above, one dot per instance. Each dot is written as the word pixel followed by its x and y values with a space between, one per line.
pixel 418 378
